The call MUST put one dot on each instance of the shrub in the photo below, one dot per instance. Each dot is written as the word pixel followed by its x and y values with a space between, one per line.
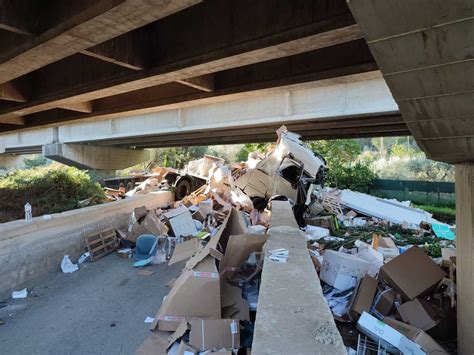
pixel 48 189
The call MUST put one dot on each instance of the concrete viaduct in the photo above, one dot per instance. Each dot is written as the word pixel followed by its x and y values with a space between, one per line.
pixel 98 77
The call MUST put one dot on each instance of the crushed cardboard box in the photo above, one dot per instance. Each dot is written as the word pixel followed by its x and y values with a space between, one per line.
pixel 412 273
pixel 419 313
pixel 342 270
pixel 362 297
pixel 427 343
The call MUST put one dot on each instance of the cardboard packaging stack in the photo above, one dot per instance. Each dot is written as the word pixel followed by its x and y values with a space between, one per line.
pixel 204 307
pixel 408 298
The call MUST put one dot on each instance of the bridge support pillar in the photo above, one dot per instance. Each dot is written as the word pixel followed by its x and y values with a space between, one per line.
pixel 85 156
pixel 465 256
pixel 10 161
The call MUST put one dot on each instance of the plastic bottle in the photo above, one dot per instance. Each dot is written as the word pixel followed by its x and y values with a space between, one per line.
pixel 28 212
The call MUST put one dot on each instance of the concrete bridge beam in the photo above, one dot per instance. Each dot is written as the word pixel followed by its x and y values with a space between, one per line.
pixel 86 156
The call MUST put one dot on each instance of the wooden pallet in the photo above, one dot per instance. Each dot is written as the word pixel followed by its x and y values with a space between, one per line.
pixel 101 243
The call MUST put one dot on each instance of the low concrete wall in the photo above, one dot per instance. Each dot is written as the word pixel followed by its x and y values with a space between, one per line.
pixel 292 314
pixel 31 250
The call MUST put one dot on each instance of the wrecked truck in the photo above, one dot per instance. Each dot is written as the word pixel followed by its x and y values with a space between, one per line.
pixel 290 171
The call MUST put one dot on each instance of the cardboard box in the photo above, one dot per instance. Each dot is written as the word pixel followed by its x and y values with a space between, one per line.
pixel 389 338
pixel 412 273
pixel 427 343
pixel 214 334
pixel 340 269
pixel 419 313
pixel 362 298
pixel 384 302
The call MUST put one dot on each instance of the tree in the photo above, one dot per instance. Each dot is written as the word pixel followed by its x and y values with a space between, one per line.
pixel 344 171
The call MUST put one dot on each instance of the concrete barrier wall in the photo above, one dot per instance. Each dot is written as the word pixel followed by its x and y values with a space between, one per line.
pixel 29 251
pixel 292 315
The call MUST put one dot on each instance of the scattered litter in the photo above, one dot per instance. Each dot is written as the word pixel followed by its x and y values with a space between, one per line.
pixel 149 319
pixel 84 258
pixel 279 255
pixel 67 266
pixel 20 294
pixel 145 272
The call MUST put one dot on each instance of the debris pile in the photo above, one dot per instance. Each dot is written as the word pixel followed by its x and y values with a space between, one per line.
pixel 377 259
pixel 382 260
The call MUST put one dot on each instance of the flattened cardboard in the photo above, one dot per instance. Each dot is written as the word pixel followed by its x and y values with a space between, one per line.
pixel 214 334
pixel 186 349
pixel 155 344
pixel 238 249
pixel 231 296
pixel 137 230
pixel 182 329
pixel 154 225
pixel 196 293
pixel 213 244
pixel 419 313
pixel 362 297
pixel 427 343
pixel 412 273
pixel 145 272
pixel 184 250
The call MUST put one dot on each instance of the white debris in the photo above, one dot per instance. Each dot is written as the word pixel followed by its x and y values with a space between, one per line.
pixel 316 233
pixel 84 257
pixel 20 294
pixel 149 319
pixel 67 265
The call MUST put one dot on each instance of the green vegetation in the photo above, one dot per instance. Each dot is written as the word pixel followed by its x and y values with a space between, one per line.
pixel 345 171
pixel 446 214
pixel 51 189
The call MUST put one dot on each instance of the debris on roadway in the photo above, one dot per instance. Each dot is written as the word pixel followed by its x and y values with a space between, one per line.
pixel 381 263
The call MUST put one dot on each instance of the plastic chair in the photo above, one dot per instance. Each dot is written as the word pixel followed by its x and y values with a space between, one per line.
pixel 146 246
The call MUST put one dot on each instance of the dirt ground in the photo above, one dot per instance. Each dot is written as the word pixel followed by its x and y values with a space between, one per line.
pixel 99 309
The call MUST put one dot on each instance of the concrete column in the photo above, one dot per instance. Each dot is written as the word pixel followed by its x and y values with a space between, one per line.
pixel 465 256
pixel 85 156
pixel 11 161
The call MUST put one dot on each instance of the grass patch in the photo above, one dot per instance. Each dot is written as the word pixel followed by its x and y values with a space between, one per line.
pixel 446 214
